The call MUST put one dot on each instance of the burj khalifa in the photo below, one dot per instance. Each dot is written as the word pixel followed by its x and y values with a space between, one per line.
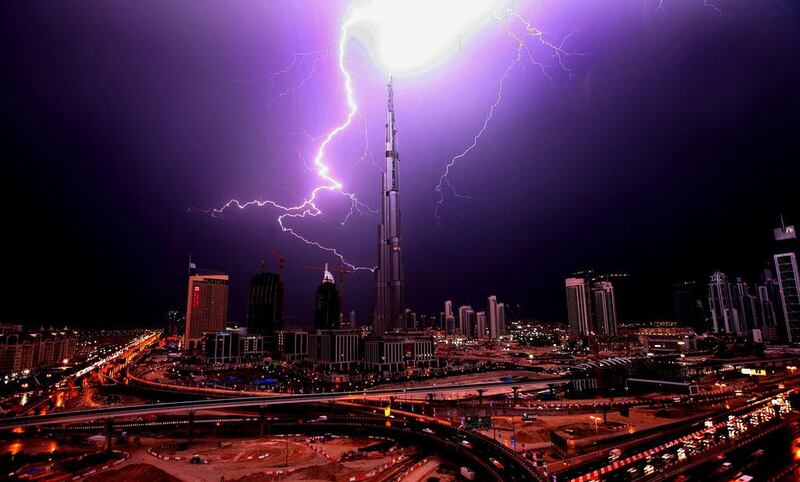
pixel 389 310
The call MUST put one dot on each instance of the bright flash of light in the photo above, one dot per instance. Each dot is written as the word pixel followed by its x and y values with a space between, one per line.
pixel 406 36
pixel 529 33
pixel 309 206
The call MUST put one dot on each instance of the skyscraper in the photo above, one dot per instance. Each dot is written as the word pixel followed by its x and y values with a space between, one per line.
pixel 723 315
pixel 605 308
pixel 495 317
pixel 688 304
pixel 465 320
pixel 449 319
pixel 265 304
pixel 579 306
pixel 789 283
pixel 326 304
pixel 206 306
pixel 389 275
pixel 501 319
pixel 745 305
pixel 480 322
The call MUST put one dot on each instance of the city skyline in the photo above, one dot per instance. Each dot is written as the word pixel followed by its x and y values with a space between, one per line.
pixel 72 206
pixel 591 274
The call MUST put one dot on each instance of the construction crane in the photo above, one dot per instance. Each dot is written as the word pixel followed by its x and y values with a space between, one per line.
pixel 341 271
pixel 281 263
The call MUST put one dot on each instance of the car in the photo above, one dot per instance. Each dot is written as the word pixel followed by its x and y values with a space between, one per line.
pixel 466 444
pixel 467 473
pixel 427 430
pixel 759 453
pixel 496 463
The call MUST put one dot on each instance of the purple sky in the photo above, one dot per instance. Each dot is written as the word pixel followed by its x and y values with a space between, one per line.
pixel 668 153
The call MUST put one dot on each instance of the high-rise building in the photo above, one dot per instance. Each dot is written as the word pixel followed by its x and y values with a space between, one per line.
pixel 265 304
pixel 206 306
pixel 389 275
pixel 688 305
pixel 465 320
pixel 789 283
pixel 480 322
pixel 765 304
pixel 491 314
pixel 579 306
pixel 449 318
pixel 495 317
pixel 326 304
pixel 745 305
pixel 605 308
pixel 723 315
pixel 788 279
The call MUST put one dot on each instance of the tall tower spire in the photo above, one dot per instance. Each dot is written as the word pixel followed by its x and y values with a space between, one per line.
pixel 389 275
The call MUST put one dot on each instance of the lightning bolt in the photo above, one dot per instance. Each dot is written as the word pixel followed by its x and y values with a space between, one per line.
pixel 560 55
pixel 291 90
pixel 710 4
pixel 309 206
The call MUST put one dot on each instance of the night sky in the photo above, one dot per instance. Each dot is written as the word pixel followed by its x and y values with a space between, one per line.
pixel 669 152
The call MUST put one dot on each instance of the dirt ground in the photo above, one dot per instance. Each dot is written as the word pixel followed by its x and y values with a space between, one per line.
pixel 538 431
pixel 134 473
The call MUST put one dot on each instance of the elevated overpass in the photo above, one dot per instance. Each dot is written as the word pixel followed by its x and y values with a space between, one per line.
pixel 108 413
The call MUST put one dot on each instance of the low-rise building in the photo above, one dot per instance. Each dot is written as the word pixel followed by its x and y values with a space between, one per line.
pixel 335 350
pixel 27 350
pixel 292 345
pixel 400 351
pixel 667 340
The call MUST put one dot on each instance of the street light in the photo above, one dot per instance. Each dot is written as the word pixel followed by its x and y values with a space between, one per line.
pixel 597 445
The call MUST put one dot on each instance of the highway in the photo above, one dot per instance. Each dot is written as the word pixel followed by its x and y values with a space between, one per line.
pixel 238 402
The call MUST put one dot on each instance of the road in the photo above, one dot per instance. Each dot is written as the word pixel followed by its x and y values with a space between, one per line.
pixel 672 455
pixel 194 405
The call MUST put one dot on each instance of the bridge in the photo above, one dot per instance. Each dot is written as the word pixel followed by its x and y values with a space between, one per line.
pixel 109 413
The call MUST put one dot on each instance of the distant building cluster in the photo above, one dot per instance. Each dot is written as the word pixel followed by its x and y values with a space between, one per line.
pixel 591 306
pixel 768 311
pixel 27 350
pixel 331 346
pixel 478 325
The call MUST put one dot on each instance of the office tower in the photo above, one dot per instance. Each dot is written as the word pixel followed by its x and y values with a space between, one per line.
pixel 449 319
pixel 351 323
pixel 480 322
pixel 491 313
pixel 789 284
pixel 389 275
pixel 465 315
pixel 688 305
pixel 579 306
pixel 410 320
pixel 766 307
pixel 723 315
pixel 326 304
pixel 605 308
pixel 206 306
pixel 501 319
pixel 788 281
pixel 265 304
pixel 745 306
